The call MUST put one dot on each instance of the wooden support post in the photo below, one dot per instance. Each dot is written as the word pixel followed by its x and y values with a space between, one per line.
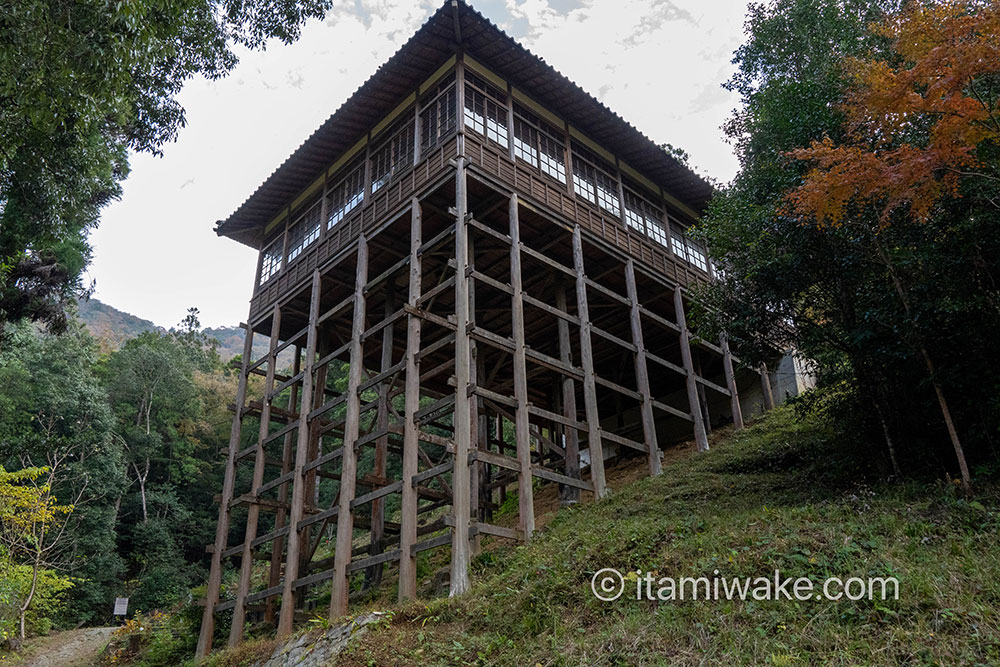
pixel 765 387
pixel 641 371
pixel 734 396
pixel 349 459
pixel 373 574
pixel 700 437
pixel 702 394
pixel 297 513
pixel 525 501
pixel 568 494
pixel 281 516
pixel 253 512
pixel 411 397
pixel 463 375
pixel 477 374
pixel 587 361
pixel 222 527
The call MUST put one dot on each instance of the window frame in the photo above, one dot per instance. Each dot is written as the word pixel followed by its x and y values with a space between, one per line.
pixel 442 102
pixel 540 132
pixel 297 246
pixel 588 165
pixel 490 118
pixel 353 172
pixel 269 270
pixel 398 141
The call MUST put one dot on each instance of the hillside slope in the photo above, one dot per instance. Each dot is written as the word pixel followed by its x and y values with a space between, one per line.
pixel 112 327
pixel 786 494
pixel 777 496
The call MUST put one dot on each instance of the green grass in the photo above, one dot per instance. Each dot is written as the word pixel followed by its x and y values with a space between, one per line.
pixel 783 494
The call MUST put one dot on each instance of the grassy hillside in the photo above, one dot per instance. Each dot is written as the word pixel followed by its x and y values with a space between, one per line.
pixel 787 494
pixel 773 497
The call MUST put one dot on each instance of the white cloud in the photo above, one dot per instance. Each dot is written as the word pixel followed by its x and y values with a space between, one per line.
pixel 658 63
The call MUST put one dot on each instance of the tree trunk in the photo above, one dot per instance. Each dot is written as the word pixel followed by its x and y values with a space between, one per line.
pixel 942 402
pixel 142 488
pixel 23 611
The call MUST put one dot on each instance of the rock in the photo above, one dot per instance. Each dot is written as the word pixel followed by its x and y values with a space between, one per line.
pixel 312 651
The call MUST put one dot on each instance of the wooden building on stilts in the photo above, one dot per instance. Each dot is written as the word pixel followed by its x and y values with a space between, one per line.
pixel 480 275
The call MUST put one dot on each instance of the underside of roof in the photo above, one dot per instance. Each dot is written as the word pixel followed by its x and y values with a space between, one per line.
pixel 453 27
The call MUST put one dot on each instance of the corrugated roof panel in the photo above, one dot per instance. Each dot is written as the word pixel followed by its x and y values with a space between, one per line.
pixel 417 59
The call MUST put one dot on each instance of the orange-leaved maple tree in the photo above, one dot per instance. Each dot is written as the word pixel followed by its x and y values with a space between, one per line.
pixel 914 124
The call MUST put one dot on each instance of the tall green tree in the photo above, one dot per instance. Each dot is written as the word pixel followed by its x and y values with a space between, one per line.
pixel 82 83
pixel 54 413
pixel 833 293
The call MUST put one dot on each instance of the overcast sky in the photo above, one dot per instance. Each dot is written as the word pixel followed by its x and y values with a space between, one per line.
pixel 658 63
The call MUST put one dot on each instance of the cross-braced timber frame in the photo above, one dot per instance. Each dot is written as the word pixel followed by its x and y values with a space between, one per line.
pixel 496 328
pixel 476 313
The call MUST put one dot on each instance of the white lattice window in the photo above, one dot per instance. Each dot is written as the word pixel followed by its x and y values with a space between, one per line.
pixel 642 214
pixel 595 180
pixel 696 256
pixel 303 231
pixel 394 154
pixel 677 244
pixel 270 261
pixel 347 195
pixel 485 109
pixel 437 114
pixel 539 144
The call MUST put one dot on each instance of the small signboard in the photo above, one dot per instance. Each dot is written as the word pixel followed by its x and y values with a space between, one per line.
pixel 121 606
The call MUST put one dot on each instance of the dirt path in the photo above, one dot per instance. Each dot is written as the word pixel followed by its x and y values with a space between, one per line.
pixel 72 648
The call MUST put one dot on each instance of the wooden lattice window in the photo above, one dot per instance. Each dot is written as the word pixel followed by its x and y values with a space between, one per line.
pixel 485 109
pixel 394 154
pixel 539 144
pixel 438 114
pixel 347 195
pixel 270 261
pixel 695 255
pixel 304 231
pixel 595 180
pixel 686 249
pixel 641 214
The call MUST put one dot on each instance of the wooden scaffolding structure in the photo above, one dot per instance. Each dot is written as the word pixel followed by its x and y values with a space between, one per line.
pixel 494 329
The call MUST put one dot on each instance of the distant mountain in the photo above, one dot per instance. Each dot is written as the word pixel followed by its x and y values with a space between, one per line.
pixel 112 327
pixel 231 342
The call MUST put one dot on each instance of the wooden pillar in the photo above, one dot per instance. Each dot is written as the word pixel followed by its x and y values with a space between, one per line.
pixel 222 526
pixel 525 501
pixel 480 440
pixel 587 360
pixel 641 371
pixel 349 465
pixel 702 394
pixel 281 514
pixel 297 513
pixel 253 512
pixel 734 395
pixel 765 387
pixel 373 575
pixel 700 438
pixel 463 377
pixel 411 397
pixel 568 494
pixel 477 373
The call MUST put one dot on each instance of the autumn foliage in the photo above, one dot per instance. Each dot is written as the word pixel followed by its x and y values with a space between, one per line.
pixel 914 125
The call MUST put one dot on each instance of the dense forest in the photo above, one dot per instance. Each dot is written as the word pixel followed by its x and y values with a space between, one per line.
pixel 128 442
